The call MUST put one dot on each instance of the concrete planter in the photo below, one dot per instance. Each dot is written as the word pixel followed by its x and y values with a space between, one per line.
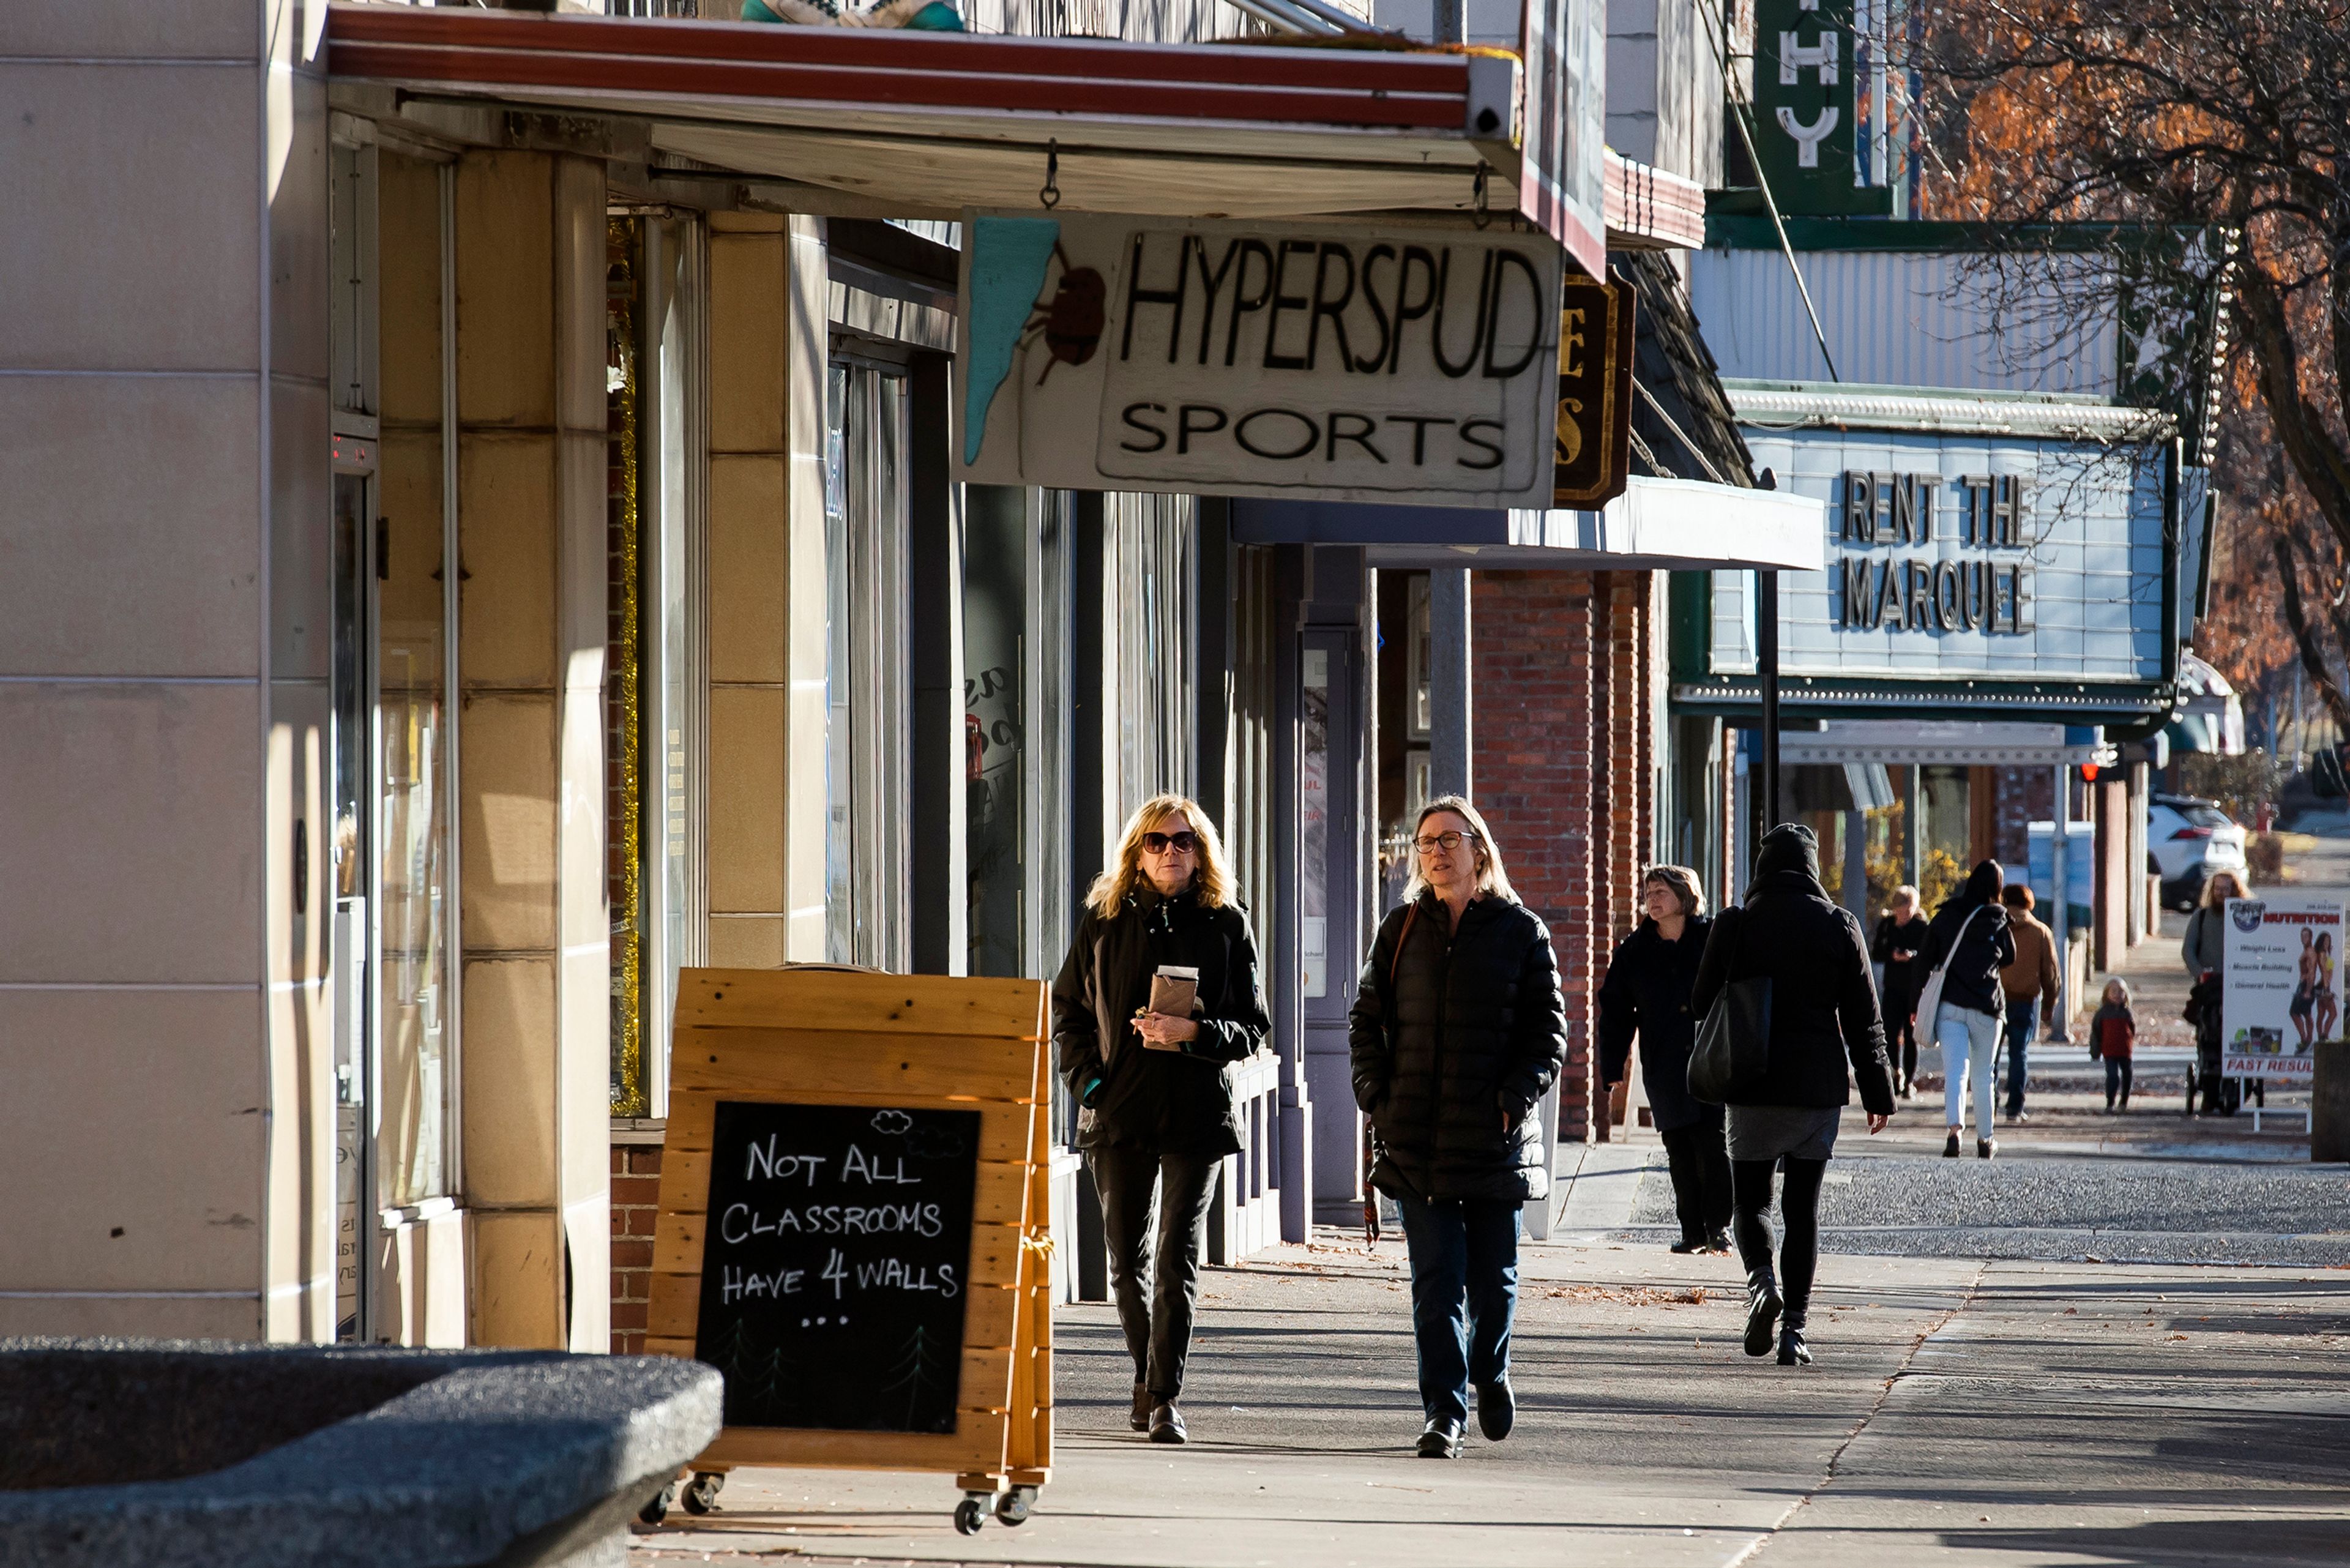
pixel 187 1454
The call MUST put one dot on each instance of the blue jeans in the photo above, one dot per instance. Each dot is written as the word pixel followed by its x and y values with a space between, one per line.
pixel 2019 1037
pixel 1464 1292
pixel 1969 1040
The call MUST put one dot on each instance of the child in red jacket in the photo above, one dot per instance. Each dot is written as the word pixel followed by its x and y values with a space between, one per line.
pixel 2112 1033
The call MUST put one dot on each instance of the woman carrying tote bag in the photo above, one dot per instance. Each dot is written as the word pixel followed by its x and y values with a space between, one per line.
pixel 1821 1011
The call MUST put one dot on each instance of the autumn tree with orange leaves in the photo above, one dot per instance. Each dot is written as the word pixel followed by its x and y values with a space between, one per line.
pixel 2225 120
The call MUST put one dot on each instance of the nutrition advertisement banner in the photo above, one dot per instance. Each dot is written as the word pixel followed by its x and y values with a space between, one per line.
pixel 2284 986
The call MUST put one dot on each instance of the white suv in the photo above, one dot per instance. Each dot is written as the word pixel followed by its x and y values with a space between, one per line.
pixel 2186 840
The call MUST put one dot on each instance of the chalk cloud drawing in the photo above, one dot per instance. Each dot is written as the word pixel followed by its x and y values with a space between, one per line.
pixel 890 1124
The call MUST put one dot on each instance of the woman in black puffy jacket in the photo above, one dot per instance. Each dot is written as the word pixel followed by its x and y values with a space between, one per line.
pixel 1456 1034
pixel 1154 1089
pixel 1823 1015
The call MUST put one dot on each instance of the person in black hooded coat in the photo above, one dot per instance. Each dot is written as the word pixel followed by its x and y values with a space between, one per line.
pixel 1647 992
pixel 1823 1013
pixel 1970 933
pixel 1457 1033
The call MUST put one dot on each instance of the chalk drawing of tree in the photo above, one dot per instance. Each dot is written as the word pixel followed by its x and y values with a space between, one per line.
pixel 920 1371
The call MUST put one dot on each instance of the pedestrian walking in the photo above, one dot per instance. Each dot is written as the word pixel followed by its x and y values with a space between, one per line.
pixel 1969 944
pixel 2028 986
pixel 1900 937
pixel 1647 992
pixel 2204 950
pixel 1823 1012
pixel 1160 993
pixel 2113 1035
pixel 1456 1034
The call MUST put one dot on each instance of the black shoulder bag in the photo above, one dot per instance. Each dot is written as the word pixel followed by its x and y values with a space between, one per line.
pixel 1733 1042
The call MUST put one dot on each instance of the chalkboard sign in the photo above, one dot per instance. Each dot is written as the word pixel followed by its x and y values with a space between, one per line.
pixel 836 1264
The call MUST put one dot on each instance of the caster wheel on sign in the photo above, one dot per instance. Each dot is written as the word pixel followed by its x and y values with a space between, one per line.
pixel 701 1495
pixel 970 1514
pixel 656 1507
pixel 1013 1507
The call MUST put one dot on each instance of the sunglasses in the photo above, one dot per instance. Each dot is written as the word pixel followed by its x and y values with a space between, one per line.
pixel 1160 843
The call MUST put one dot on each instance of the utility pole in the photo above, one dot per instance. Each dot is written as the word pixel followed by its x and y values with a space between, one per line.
pixel 1766 665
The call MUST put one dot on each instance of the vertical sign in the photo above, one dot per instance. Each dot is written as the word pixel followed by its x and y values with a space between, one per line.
pixel 1805 112
pixel 1562 175
pixel 1594 392
pixel 2282 990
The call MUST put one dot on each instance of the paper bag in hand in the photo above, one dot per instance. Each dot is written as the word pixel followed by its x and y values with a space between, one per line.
pixel 1174 993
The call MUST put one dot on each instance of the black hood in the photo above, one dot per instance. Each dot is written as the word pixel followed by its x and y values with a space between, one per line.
pixel 1789 847
pixel 1983 882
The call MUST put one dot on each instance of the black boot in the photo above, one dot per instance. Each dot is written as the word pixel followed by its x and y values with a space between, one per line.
pixel 1792 1351
pixel 1761 1311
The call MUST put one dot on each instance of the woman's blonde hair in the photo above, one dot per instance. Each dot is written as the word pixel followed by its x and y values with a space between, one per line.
pixel 1905 894
pixel 2212 898
pixel 1683 882
pixel 1211 884
pixel 1490 877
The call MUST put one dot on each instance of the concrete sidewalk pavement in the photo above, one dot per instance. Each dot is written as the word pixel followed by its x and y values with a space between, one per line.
pixel 2015 1412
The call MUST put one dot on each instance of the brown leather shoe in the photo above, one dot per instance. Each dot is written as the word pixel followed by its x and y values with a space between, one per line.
pixel 1140 1418
pixel 1167 1424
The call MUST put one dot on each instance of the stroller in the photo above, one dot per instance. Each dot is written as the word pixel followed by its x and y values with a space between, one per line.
pixel 2221 1094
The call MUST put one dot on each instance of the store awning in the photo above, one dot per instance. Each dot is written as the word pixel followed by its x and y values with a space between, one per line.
pixel 1930 742
pixel 914 124
pixel 1660 525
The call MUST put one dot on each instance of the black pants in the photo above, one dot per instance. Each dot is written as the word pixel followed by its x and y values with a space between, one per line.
pixel 2117 1076
pixel 1699 1163
pixel 1799 1214
pixel 1900 1033
pixel 1142 1191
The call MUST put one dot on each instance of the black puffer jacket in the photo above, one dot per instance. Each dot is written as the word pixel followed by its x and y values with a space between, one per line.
pixel 1647 992
pixel 1987 948
pixel 1470 1026
pixel 1171 1102
pixel 1823 1004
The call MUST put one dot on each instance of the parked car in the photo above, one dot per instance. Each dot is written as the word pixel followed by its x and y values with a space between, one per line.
pixel 2187 839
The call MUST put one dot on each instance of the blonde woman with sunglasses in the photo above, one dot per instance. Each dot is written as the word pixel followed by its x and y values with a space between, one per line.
pixel 1159 996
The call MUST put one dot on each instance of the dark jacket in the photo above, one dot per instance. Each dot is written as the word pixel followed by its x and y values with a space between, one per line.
pixel 1903 976
pixel 1167 1101
pixel 1987 948
pixel 1471 1026
pixel 1646 991
pixel 1823 1004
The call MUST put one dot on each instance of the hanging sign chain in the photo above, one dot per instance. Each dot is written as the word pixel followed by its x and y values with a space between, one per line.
pixel 1051 194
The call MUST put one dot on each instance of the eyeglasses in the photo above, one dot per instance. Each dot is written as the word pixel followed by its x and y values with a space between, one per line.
pixel 1160 843
pixel 1433 842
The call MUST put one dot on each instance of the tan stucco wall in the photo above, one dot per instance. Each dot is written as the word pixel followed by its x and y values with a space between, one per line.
pixel 162 669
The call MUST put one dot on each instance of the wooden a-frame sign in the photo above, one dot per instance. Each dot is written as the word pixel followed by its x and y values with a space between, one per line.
pixel 878 1146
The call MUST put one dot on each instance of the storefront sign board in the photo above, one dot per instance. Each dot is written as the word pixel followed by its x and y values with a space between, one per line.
pixel 2282 986
pixel 853 1211
pixel 1317 361
pixel 1964 557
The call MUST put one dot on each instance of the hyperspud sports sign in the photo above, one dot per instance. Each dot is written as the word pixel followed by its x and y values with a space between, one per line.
pixel 1315 362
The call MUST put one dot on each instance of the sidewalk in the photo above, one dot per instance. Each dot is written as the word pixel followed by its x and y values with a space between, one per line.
pixel 1962 1411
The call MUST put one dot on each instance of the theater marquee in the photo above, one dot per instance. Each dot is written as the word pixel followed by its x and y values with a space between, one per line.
pixel 1309 360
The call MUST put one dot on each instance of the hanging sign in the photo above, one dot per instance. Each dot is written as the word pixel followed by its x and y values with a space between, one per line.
pixel 2282 990
pixel 1313 361
pixel 1562 166
pixel 1594 392
pixel 1806 108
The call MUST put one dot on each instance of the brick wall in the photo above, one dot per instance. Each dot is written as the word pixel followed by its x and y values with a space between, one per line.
pixel 636 1195
pixel 2023 796
pixel 1565 769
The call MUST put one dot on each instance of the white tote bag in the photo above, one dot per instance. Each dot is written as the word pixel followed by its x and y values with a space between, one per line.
pixel 1929 995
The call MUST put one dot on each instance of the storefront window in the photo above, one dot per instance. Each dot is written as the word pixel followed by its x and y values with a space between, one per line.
pixel 865 782
pixel 1943 825
pixel 994 647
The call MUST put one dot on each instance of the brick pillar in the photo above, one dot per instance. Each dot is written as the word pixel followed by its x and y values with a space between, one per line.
pixel 1534 733
pixel 636 1197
